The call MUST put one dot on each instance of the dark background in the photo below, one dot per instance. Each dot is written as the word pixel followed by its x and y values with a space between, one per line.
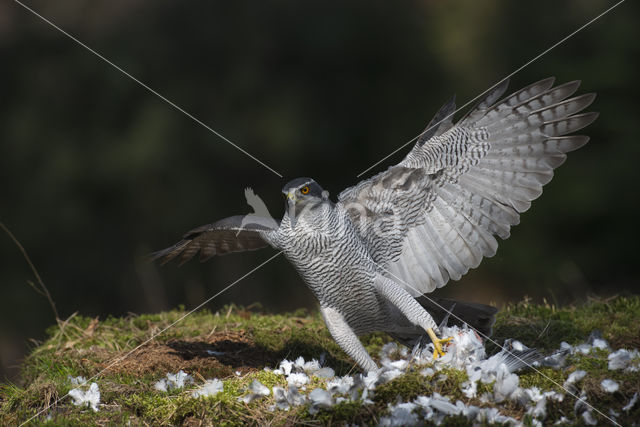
pixel 96 171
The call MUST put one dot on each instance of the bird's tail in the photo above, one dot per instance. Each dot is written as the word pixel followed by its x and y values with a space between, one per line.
pixel 450 312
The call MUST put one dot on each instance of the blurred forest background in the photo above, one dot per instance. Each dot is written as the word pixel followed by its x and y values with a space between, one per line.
pixel 96 171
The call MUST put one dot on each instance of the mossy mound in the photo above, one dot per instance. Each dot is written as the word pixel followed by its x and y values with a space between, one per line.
pixel 236 344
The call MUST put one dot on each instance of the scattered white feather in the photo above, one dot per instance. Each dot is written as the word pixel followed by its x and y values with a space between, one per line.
pixel 161 385
pixel 365 397
pixel 400 415
pixel 575 376
pixel 537 405
pixel 631 404
pixel 442 404
pixel 298 379
pixel 311 367
pixel 340 385
pixel 299 363
pixel 506 384
pixel 583 348
pixel 423 401
pixel 395 364
pixel 469 389
pixel 581 404
pixel 209 389
pixel 257 390
pixel 600 343
pixel 556 360
pixel 536 423
pixel 285 367
pixel 76 380
pixel 493 416
pixel 633 368
pixel 390 375
pixel 588 418
pixel 436 408
pixel 216 353
pixel 286 398
pixel 280 396
pixel 325 373
pixel 610 386
pixel 388 349
pixel 90 397
pixel 427 372
pixel 466 352
pixel 464 349
pixel 174 381
pixel 320 399
pixel 371 380
pixel 294 397
pixel 518 346
pixel 620 359
pixel 554 395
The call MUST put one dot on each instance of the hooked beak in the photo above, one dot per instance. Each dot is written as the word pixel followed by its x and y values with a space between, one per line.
pixel 291 207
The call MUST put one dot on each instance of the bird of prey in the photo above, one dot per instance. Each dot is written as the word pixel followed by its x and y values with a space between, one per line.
pixel 370 256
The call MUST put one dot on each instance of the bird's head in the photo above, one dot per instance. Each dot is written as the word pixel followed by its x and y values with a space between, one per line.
pixel 302 193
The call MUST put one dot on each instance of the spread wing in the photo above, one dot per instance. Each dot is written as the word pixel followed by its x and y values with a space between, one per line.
pixel 234 234
pixel 436 214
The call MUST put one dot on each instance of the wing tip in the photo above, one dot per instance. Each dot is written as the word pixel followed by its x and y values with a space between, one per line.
pixel 168 254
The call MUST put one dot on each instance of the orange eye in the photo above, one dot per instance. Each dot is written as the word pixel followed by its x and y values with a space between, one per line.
pixel 304 190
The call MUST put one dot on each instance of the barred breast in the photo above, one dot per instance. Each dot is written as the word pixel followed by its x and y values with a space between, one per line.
pixel 332 260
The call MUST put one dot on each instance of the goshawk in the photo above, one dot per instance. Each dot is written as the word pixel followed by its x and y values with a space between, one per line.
pixel 371 256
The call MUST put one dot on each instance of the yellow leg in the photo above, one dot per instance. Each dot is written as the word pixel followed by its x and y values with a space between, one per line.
pixel 437 343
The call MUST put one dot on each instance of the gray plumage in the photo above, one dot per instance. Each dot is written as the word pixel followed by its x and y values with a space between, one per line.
pixel 408 230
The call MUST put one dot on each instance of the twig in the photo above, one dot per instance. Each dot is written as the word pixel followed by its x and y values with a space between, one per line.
pixel 62 329
pixel 43 291
pixel 543 331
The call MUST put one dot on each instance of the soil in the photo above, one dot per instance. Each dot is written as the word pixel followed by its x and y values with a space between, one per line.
pixel 217 355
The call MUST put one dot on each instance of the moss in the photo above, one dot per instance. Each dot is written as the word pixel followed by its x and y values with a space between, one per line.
pixel 544 379
pixel 269 379
pixel 375 341
pixel 150 406
pixel 590 363
pixel 405 387
pixel 546 326
pixel 450 386
pixel 343 413
pixel 249 340
pixel 456 421
pixel 485 388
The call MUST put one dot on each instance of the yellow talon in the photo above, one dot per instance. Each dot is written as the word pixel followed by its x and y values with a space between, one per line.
pixel 437 343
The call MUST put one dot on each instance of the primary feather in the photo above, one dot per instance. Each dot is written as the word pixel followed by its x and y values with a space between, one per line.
pixel 466 184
